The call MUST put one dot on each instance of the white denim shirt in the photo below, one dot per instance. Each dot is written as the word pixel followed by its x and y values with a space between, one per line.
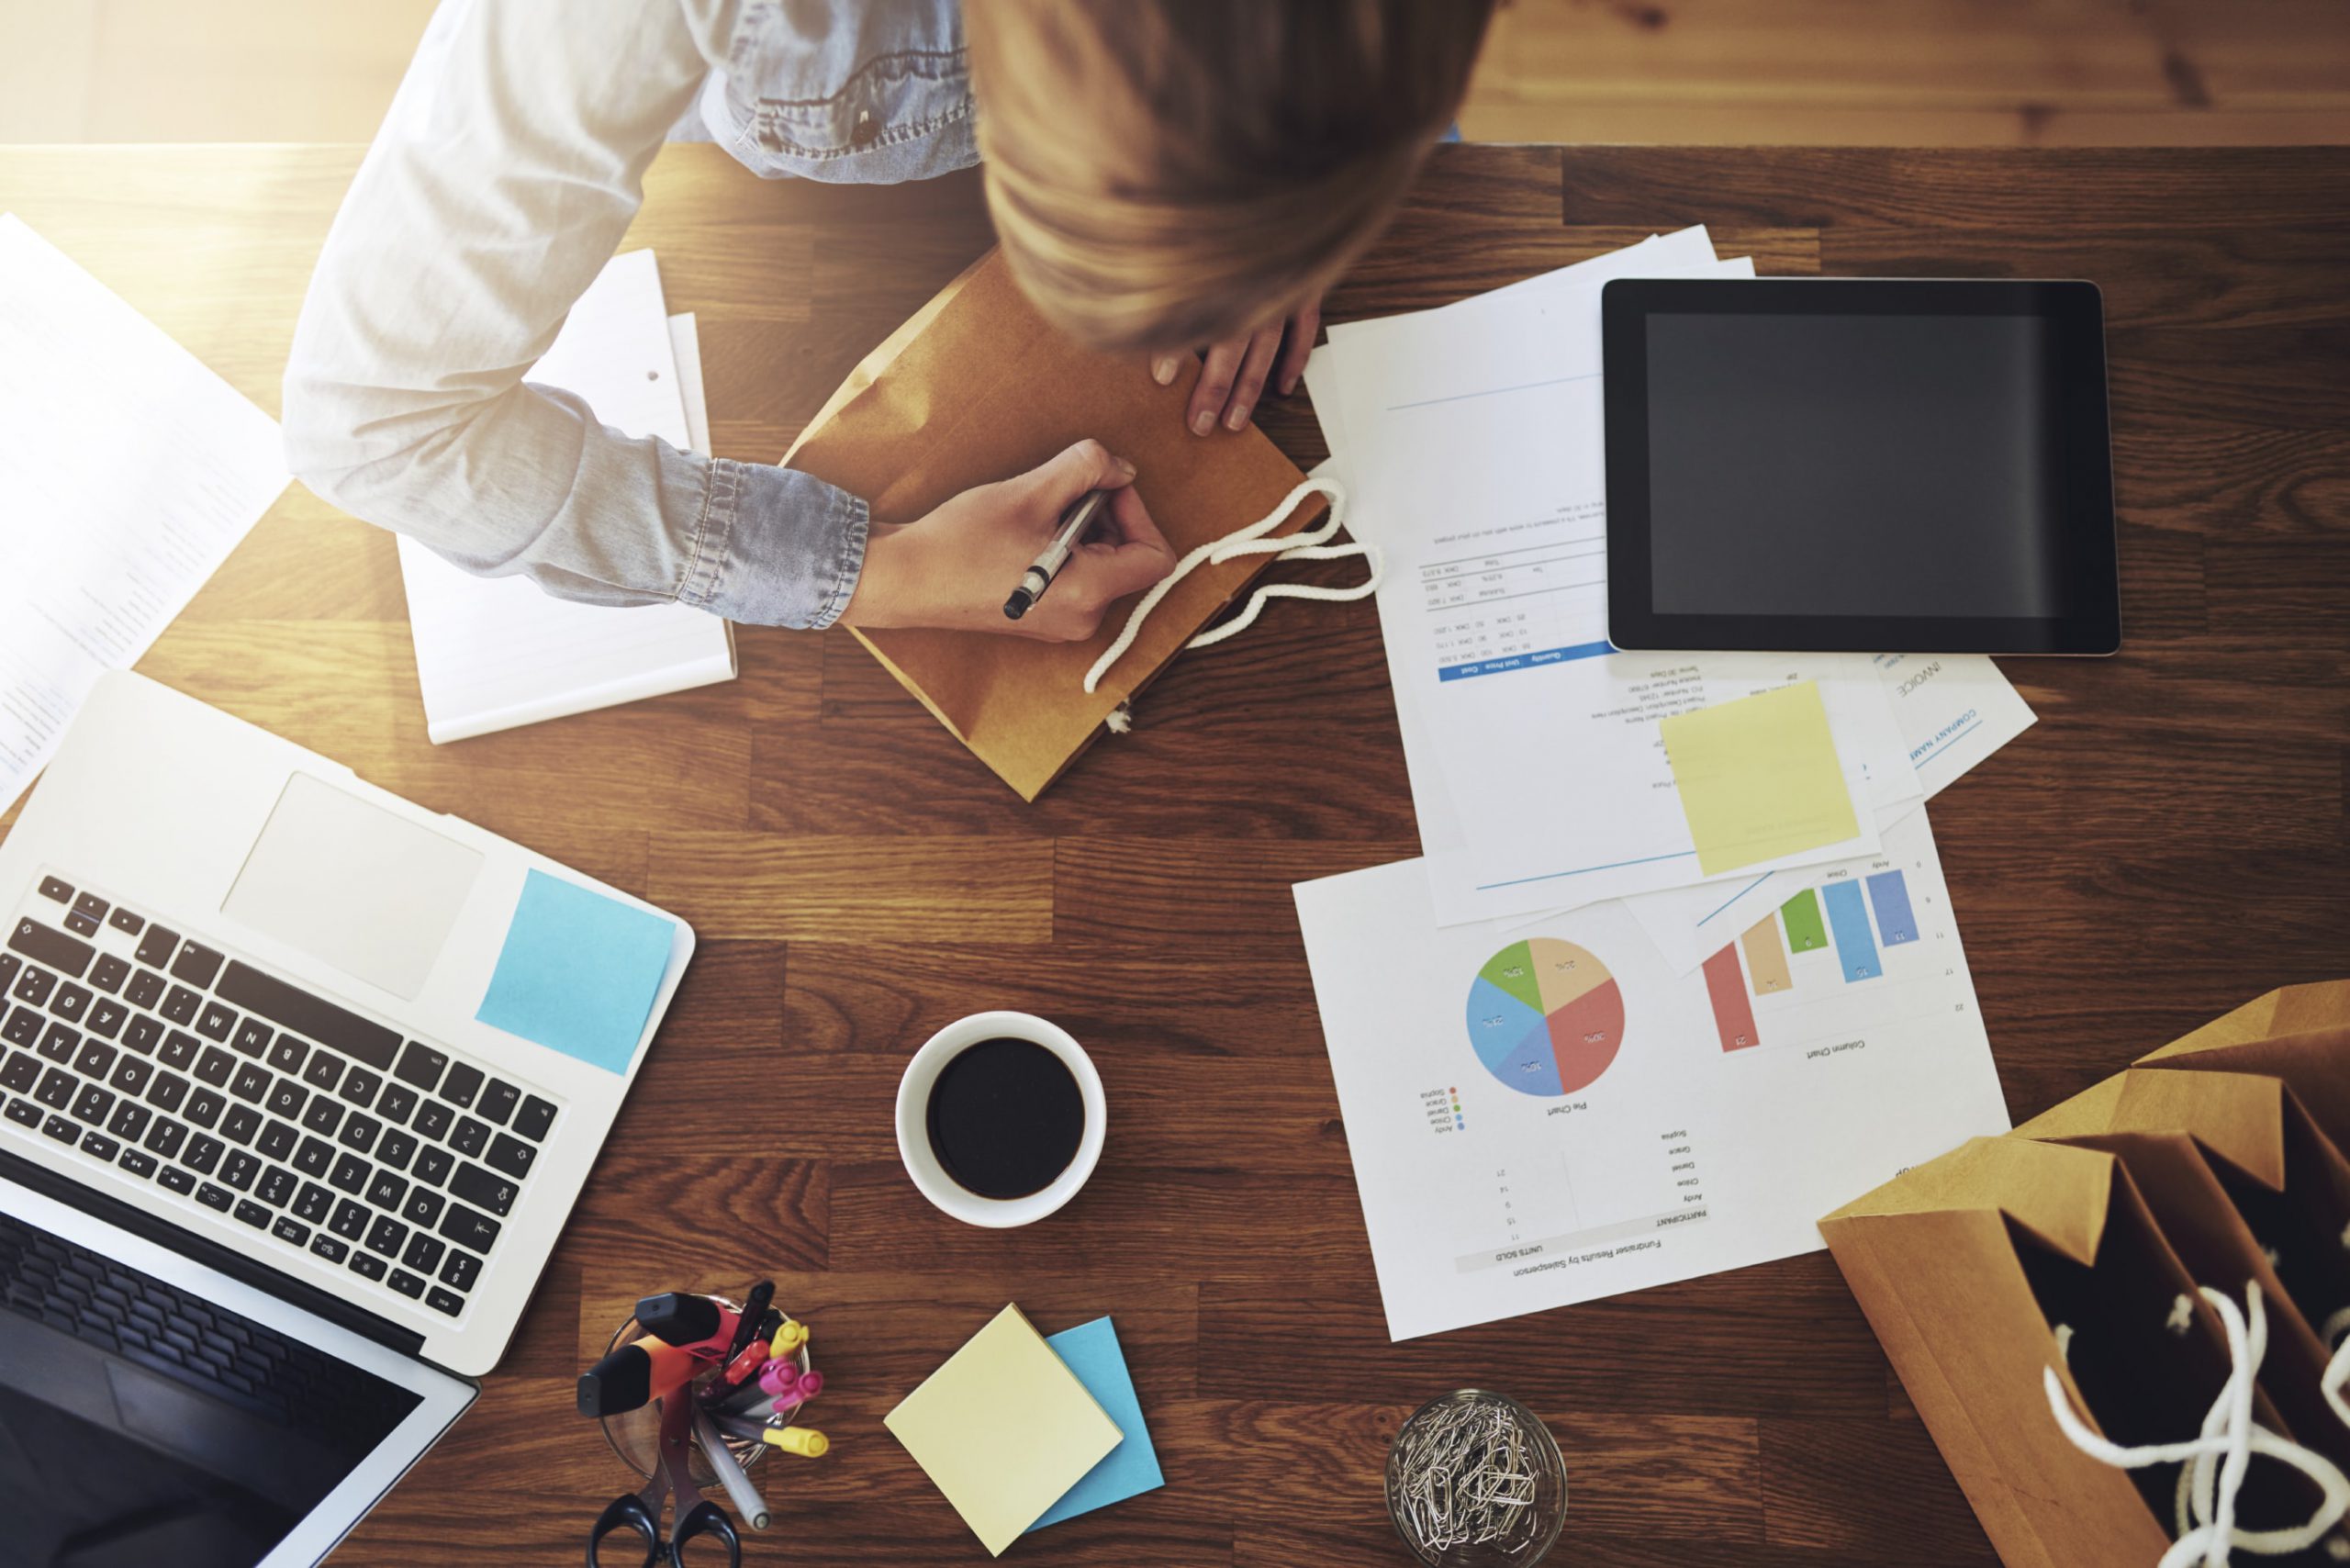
pixel 512 160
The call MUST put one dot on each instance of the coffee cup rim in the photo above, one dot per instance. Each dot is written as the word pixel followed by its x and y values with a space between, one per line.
pixel 921 1162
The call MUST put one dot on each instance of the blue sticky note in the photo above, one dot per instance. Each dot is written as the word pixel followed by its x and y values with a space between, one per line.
pixel 1090 1350
pixel 578 972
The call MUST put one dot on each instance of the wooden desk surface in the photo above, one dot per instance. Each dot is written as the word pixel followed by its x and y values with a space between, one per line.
pixel 2169 840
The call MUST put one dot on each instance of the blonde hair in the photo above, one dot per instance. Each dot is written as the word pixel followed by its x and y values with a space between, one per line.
pixel 1166 172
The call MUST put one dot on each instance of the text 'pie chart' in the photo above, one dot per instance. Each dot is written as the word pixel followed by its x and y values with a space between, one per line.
pixel 1544 1017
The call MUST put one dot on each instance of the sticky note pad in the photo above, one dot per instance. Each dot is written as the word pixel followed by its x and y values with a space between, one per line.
pixel 578 972
pixel 1090 1350
pixel 1004 1429
pixel 1759 778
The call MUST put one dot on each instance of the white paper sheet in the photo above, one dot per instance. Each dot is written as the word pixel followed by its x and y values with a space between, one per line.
pixel 493 652
pixel 1473 444
pixel 1635 1127
pixel 127 472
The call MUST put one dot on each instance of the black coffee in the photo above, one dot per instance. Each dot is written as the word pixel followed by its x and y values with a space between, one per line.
pixel 1005 1118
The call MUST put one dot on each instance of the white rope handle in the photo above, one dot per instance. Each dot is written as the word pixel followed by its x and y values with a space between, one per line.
pixel 1309 546
pixel 2215 1461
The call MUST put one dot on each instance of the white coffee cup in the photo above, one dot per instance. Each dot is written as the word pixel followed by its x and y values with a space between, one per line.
pixel 922 1161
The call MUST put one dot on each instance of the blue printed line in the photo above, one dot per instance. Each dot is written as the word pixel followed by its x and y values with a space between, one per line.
pixel 1525 661
pixel 1742 892
pixel 1941 741
pixel 1491 392
pixel 1581 870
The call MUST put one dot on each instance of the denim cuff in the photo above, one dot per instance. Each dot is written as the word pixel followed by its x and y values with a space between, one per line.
pixel 775 547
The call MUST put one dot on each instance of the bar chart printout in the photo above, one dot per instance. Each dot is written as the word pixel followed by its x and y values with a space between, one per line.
pixel 1895 922
pixel 1849 919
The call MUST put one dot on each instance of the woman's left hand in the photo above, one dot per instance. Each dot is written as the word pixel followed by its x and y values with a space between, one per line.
pixel 1233 383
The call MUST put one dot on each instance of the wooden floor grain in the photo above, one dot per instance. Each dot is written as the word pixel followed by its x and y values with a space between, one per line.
pixel 2169 840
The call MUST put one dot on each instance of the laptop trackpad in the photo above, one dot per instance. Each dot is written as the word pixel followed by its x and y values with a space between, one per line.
pixel 354 886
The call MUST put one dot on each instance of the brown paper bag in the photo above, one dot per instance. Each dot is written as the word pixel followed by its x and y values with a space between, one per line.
pixel 976 388
pixel 1965 1265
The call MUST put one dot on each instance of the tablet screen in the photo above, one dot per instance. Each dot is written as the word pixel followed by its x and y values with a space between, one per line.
pixel 1805 468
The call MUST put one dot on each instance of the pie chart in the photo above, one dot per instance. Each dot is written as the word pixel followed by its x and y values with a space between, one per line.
pixel 1545 1017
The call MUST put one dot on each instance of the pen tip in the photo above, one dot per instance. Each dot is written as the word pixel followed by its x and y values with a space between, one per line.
pixel 1017 605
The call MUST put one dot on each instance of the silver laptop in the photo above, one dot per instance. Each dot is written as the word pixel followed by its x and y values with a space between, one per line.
pixel 270 1191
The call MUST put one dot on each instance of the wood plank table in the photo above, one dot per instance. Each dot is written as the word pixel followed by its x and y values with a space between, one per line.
pixel 2168 841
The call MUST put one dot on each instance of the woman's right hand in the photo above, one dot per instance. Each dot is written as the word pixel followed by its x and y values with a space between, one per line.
pixel 955 567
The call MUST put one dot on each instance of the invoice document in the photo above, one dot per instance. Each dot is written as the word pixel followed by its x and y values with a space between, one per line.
pixel 494 653
pixel 1540 1112
pixel 127 472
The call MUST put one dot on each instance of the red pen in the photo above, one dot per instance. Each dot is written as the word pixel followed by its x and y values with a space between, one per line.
pixel 744 1365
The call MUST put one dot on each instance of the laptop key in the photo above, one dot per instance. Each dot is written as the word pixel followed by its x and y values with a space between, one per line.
pixel 461 1271
pixel 23 1026
pixel 10 965
pixel 368 1266
pixel 423 1253
pixel 165 1137
pixel 432 1120
pixel 69 1002
pixel 197 964
pixel 214 1196
pixel 144 1034
pixel 290 1007
pixel 276 1186
pixel 324 1071
pixel 286 1098
pixel 534 1118
pixel 277 1140
pixel 122 920
pixel 440 1300
pixel 240 1123
pixel 397 1101
pixel 293 1231
pixel 57 1089
pixel 216 1022
pixel 470 1137
pixel 359 1131
pixel 434 1165
pixel 253 1213
pixel 138 1163
pixel 94 1103
pixel 313 1157
pixel 350 1220
pixel 34 985
pixel 46 945
pixel 253 1082
pixel 474 1231
pixel 423 1206
pixel 350 1174
pixel 79 925
pixel 155 948
pixel 214 1066
pixel 386 1236
pixel 176 1180
pixel 96 1143
pixel 240 1169
pixel 19 1072
pixel 25 1112
pixel 359 1086
pixel 50 888
pixel 421 1066
pixel 168 1090
pixel 395 1149
pixel 130 1120
pixel 95 1056
pixel 323 1117
pixel 180 1004
pixel 253 1038
pixel 106 1018
pixel 204 1152
pixel 60 1043
pixel 313 1202
pixel 180 1051
pixel 463 1083
pixel 62 1130
pixel 484 1190
pixel 91 905
pixel 328 1248
pixel 285 1053
pixel 204 1108
pixel 497 1101
pixel 386 1190
pixel 146 988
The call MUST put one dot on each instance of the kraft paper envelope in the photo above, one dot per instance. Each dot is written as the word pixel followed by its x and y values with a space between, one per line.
pixel 976 388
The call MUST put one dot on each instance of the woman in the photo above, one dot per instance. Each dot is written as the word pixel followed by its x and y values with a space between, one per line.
pixel 1163 174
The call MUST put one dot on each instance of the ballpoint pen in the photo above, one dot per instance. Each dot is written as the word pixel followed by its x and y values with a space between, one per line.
pixel 1047 564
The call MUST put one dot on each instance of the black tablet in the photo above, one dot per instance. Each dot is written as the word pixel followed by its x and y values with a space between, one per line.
pixel 1858 463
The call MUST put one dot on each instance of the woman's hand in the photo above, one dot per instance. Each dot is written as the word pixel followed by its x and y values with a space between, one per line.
pixel 1233 384
pixel 956 567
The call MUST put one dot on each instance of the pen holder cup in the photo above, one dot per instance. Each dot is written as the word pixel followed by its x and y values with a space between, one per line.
pixel 635 1435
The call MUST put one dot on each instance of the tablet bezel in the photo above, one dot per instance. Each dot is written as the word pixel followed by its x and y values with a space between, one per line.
pixel 2077 311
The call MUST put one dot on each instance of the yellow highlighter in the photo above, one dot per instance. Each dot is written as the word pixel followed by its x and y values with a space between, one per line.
pixel 805 1441
pixel 788 1338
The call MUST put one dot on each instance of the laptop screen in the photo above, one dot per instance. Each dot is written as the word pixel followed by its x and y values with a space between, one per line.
pixel 143 1424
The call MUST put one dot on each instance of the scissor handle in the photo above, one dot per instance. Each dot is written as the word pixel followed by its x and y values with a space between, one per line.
pixel 705 1517
pixel 627 1510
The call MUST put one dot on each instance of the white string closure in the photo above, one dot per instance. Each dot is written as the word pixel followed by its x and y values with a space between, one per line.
pixel 2215 1462
pixel 1311 545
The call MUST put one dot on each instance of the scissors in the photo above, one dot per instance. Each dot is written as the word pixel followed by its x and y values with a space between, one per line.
pixel 641 1511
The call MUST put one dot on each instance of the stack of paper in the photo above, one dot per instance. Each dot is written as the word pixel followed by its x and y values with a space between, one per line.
pixel 493 652
pixel 127 472
pixel 1747 1001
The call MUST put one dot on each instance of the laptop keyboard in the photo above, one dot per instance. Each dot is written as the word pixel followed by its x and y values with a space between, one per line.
pixel 117 1308
pixel 142 1047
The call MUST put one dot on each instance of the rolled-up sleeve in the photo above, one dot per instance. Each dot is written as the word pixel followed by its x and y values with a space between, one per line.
pixel 504 177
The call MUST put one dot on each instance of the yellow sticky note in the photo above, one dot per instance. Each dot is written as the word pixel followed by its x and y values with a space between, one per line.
pixel 1003 1428
pixel 1759 778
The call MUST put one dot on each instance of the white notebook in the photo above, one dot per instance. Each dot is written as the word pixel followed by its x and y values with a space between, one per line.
pixel 494 653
